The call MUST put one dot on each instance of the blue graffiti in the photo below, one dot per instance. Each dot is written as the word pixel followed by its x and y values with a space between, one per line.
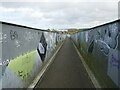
pixel 115 62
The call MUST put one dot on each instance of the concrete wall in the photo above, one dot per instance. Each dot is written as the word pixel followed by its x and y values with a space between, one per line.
pixel 100 48
pixel 21 57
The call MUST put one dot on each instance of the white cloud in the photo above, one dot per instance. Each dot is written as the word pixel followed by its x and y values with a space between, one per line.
pixel 59 14
pixel 59 0
pixel 2 9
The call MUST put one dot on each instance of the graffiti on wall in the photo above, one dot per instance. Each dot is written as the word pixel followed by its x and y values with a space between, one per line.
pixel 56 40
pixel 91 41
pixel 114 65
pixel 103 42
pixel 115 62
pixel 52 41
pixel 28 36
pixel 105 37
pixel 42 47
pixel 4 66
pixel 13 35
pixel 108 38
pixel 22 64
pixel 3 37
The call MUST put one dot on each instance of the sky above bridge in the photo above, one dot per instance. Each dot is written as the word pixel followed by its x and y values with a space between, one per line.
pixel 59 14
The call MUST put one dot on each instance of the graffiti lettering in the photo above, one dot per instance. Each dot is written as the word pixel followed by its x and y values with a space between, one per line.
pixel 115 62
pixel 13 35
pixel 6 62
pixel 3 37
pixel 4 65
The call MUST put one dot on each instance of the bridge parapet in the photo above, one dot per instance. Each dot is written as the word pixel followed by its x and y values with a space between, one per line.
pixel 24 50
pixel 100 47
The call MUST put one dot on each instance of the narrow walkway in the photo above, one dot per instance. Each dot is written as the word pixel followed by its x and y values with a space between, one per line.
pixel 66 71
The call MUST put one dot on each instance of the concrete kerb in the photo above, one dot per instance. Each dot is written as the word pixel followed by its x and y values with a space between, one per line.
pixel 90 73
pixel 44 69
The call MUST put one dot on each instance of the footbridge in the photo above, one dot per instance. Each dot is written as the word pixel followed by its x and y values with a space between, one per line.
pixel 33 58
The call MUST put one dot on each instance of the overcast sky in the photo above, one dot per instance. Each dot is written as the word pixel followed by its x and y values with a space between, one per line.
pixel 59 14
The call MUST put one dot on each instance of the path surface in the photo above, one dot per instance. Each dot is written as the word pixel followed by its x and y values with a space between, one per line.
pixel 66 71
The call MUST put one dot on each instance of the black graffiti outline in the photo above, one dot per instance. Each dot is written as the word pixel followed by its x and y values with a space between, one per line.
pixel 13 35
pixel 44 44
pixel 101 35
pixel 91 47
pixel 56 40
pixel 91 41
pixel 21 74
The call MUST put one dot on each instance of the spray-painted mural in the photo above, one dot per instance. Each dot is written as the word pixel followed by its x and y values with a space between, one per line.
pixel 102 43
pixel 24 50
pixel 42 47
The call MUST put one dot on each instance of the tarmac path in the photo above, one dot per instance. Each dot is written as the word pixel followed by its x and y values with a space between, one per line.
pixel 66 71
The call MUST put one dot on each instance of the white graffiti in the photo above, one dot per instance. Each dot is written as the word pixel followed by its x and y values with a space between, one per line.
pixel 17 43
pixel 3 37
pixel 28 36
